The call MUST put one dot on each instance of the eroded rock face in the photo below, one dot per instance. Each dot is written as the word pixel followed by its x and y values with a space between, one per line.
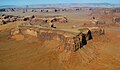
pixel 31 32
pixel 14 31
pixel 17 37
pixel 96 22
pixel 1 23
pixel 71 42
pixel 46 20
pixel 116 10
pixel 7 19
pixel 116 19
pixel 33 20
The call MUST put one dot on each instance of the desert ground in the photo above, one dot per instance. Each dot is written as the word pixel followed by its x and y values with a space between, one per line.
pixel 27 52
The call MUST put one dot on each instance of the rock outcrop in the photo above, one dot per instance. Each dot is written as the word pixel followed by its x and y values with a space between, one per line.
pixel 70 41
pixel 116 19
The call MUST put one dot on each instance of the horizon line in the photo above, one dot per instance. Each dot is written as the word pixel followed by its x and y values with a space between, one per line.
pixel 62 3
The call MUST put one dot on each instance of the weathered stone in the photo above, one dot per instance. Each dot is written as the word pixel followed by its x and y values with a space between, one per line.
pixel 70 41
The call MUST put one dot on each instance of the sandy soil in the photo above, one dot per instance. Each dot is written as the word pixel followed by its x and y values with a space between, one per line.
pixel 33 54
pixel 30 53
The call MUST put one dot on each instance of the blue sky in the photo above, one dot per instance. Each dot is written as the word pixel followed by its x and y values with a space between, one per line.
pixel 29 2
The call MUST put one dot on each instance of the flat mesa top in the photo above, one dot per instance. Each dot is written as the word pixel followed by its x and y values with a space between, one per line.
pixel 72 31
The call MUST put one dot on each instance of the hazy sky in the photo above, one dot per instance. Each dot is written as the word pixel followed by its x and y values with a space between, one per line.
pixel 28 2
